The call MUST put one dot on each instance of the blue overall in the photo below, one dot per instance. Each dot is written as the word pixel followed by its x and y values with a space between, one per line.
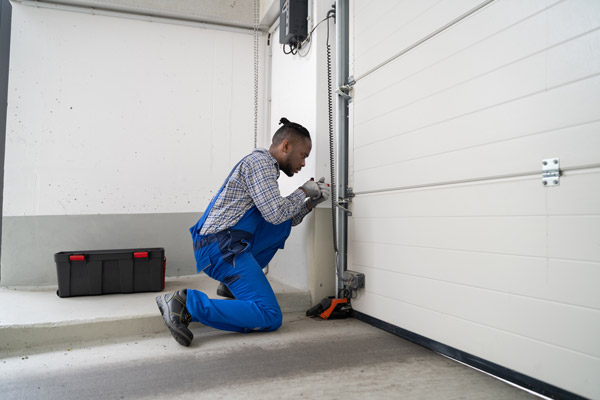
pixel 236 257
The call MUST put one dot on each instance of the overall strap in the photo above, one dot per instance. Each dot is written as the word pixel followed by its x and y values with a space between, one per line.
pixel 200 223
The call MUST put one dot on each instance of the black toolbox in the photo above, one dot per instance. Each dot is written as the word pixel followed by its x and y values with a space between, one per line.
pixel 93 272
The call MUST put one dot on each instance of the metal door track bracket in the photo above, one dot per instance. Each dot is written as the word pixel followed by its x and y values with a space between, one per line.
pixel 551 172
pixel 345 201
pixel 345 90
pixel 339 205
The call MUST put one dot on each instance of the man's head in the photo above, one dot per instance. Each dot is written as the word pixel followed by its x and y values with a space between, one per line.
pixel 291 145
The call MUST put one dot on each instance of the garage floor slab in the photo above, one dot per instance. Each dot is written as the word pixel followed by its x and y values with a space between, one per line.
pixel 306 358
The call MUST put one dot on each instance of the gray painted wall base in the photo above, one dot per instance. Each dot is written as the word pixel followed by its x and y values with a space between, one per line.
pixel 5 28
pixel 29 242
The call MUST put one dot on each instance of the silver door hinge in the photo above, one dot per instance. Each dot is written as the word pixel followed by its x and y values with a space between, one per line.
pixel 551 172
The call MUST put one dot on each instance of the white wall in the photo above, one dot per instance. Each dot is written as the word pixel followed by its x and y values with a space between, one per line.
pixel 299 92
pixel 119 132
pixel 118 121
pixel 110 115
pixel 292 96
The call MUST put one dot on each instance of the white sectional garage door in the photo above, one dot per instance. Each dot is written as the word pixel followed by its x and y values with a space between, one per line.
pixel 456 104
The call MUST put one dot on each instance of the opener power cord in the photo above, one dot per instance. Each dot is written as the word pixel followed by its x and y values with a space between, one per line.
pixel 295 47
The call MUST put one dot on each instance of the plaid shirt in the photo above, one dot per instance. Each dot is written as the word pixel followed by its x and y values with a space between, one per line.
pixel 254 183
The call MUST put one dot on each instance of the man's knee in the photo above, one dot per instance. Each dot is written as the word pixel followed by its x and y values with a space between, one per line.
pixel 274 320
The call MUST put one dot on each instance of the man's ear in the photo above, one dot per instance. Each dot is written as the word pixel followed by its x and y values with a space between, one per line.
pixel 285 146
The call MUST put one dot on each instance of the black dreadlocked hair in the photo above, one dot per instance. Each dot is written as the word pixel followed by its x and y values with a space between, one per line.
pixel 290 131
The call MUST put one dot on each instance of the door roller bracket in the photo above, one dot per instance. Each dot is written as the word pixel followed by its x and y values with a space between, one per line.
pixel 551 172
pixel 339 205
pixel 345 90
pixel 345 201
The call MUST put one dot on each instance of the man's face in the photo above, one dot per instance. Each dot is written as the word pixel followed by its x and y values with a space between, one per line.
pixel 295 154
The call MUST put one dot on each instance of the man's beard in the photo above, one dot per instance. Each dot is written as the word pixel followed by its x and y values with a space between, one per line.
pixel 287 169
pixel 288 173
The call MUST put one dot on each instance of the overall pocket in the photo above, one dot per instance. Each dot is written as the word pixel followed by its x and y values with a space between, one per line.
pixel 233 242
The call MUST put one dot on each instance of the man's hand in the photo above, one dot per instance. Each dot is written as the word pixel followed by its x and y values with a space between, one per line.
pixel 311 189
pixel 325 192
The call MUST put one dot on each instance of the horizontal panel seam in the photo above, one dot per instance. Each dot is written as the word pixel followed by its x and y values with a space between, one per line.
pixel 512 100
pixel 445 248
pixel 482 288
pixel 478 180
pixel 475 77
pixel 480 252
pixel 490 327
pixel 475 251
pixel 477 216
pixel 480 145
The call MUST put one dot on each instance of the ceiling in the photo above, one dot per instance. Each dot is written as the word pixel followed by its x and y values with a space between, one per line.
pixel 234 13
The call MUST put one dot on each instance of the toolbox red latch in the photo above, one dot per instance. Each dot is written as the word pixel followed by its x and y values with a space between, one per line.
pixel 77 257
pixel 140 254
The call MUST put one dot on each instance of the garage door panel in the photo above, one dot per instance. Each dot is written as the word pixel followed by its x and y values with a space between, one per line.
pixel 482 234
pixel 510 197
pixel 458 239
pixel 451 79
pixel 479 45
pixel 575 196
pixel 403 30
pixel 369 14
pixel 550 363
pixel 566 106
pixel 510 84
pixel 372 17
pixel 575 59
pixel 571 18
pixel 514 197
pixel 574 238
pixel 455 78
pixel 549 322
pixel 575 147
pixel 510 121
pixel 564 281
pixel 574 282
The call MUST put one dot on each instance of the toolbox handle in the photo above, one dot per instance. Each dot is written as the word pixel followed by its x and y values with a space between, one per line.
pixel 140 254
pixel 77 257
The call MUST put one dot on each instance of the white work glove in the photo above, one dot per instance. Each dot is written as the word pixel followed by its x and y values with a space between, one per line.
pixel 312 189
pixel 325 192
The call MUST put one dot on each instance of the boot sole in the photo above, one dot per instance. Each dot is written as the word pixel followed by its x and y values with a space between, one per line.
pixel 181 337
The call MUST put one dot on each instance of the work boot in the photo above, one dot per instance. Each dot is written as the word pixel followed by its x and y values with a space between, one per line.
pixel 176 316
pixel 224 291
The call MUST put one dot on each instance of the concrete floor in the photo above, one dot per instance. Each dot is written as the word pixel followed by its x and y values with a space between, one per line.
pixel 32 317
pixel 306 358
